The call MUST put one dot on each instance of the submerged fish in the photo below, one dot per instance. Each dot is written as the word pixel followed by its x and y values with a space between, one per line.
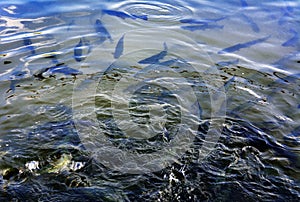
pixel 82 49
pixel 287 17
pixel 282 63
pixel 143 17
pixel 237 111
pixel 244 3
pixel 227 63
pixel 15 77
pixel 202 27
pixel 71 24
pixel 284 82
pixel 124 15
pixel 250 21
pixel 243 45
pixel 284 79
pixel 17 74
pixel 202 21
pixel 227 83
pixel 168 62
pixel 57 69
pixel 102 31
pixel 155 58
pixel 292 41
pixel 28 44
pixel 119 48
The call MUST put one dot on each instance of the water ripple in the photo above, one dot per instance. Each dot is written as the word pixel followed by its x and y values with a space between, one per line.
pixel 158 12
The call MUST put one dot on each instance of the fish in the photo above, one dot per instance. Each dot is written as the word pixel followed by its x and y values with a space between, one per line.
pixel 202 21
pixel 227 63
pixel 82 49
pixel 155 58
pixel 288 6
pixel 28 44
pixel 227 83
pixel 102 31
pixel 285 18
pixel 244 3
pixel 285 60
pixel 250 21
pixel 15 77
pixel 166 134
pixel 143 17
pixel 57 69
pixel 202 27
pixel 283 79
pixel 168 62
pixel 284 82
pixel 53 57
pixel 294 137
pixel 243 45
pixel 71 24
pixel 197 110
pixel 119 14
pixel 241 108
pixel 247 19
pixel 17 74
pixel 124 15
pixel 292 41
pixel 119 47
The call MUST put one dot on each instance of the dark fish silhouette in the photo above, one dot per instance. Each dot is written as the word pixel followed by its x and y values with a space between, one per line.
pixel 28 44
pixel 241 108
pixel 155 58
pixel 168 62
pixel 71 24
pixel 102 31
pixel 201 21
pixel 17 74
pixel 227 83
pixel 124 15
pixel 57 69
pixel 291 57
pixel 250 21
pixel 292 41
pixel 202 27
pixel 227 63
pixel 242 45
pixel 288 6
pixel 244 3
pixel 285 18
pixel 143 17
pixel 285 79
pixel 15 77
pixel 293 137
pixel 81 50
pixel 283 82
pixel 119 48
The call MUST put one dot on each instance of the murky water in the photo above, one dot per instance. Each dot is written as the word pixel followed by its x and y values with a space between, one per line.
pixel 150 100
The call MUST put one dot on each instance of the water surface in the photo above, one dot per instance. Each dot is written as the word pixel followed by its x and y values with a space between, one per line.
pixel 149 100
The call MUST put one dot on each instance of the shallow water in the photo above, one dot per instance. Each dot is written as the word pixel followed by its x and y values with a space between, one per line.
pixel 149 100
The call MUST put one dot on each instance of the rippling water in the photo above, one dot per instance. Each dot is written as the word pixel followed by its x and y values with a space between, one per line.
pixel 149 100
